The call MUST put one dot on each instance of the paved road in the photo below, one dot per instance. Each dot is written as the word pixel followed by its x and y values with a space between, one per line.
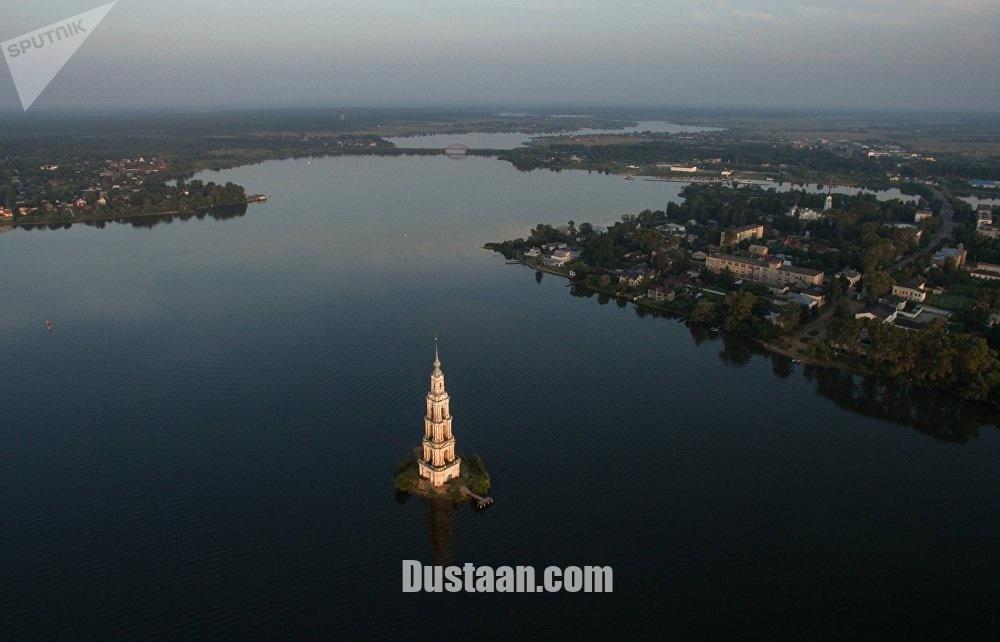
pixel 944 233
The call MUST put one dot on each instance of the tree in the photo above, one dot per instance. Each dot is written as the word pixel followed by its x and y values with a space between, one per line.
pixel 739 305
pixel 790 317
pixel 878 284
pixel 834 289
pixel 704 312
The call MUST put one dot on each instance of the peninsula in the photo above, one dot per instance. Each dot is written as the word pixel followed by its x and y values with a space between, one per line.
pixel 849 281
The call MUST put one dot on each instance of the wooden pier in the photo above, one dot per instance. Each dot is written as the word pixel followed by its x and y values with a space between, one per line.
pixel 481 502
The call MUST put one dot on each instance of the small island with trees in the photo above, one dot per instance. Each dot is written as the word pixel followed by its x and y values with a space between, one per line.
pixel 473 476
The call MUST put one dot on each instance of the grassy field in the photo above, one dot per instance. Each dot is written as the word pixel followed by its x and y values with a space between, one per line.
pixel 960 296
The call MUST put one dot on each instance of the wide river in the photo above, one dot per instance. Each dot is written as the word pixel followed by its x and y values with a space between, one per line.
pixel 203 445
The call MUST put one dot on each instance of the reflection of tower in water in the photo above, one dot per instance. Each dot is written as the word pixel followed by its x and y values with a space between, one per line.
pixel 441 530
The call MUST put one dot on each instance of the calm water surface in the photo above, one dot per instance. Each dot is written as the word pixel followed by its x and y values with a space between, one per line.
pixel 204 444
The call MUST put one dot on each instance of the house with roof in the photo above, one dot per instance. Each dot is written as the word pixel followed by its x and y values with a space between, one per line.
pixel 956 254
pixel 660 293
pixel 912 290
pixel 853 276
pixel 561 257
pixel 632 278
pixel 878 312
pixel 985 271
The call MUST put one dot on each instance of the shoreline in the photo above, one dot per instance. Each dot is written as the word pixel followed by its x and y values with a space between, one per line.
pixel 795 354
pixel 125 217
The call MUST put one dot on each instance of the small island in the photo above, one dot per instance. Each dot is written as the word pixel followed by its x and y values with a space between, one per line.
pixel 434 469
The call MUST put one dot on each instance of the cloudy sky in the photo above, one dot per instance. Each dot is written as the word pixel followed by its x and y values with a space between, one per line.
pixel 923 54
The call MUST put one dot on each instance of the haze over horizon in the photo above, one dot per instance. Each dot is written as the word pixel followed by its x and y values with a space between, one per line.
pixel 923 55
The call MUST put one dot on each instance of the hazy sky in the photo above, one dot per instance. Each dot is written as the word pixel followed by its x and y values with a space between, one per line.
pixel 797 53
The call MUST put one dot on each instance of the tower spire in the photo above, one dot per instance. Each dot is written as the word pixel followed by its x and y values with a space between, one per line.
pixel 438 462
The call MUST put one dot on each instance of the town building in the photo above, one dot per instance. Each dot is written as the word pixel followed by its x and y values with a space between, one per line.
pixel 878 312
pixel 733 235
pixel 985 271
pixel 957 254
pixel 660 293
pixel 853 276
pixel 984 223
pixel 770 271
pixel 632 278
pixel 792 275
pixel 909 229
pixel 912 290
pixel 805 213
pixel 561 257
pixel 808 300
pixel 438 462
pixel 984 215
pixel 828 203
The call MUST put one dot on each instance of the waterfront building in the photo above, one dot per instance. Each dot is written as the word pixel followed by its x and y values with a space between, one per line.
pixel 632 278
pixel 561 257
pixel 660 293
pixel 828 203
pixel 438 462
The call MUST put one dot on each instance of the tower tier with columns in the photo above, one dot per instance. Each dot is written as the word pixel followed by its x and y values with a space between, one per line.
pixel 438 462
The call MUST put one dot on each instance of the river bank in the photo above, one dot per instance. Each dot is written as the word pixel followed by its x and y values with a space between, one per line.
pixel 796 345
pixel 61 221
